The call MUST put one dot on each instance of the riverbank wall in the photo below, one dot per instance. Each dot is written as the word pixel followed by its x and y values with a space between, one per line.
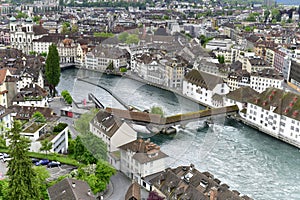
pixel 277 136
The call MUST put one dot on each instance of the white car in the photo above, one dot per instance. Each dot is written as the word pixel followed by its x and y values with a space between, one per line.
pixel 5 157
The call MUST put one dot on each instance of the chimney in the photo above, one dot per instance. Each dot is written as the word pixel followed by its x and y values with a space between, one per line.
pixel 213 193
pixel 73 184
pixel 89 192
pixel 192 167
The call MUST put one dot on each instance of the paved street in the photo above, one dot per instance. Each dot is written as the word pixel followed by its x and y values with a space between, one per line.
pixel 56 105
pixel 120 184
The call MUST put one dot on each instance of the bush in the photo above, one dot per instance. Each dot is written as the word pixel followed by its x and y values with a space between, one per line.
pixel 64 93
pixel 67 97
pixel 59 127
pixel 123 69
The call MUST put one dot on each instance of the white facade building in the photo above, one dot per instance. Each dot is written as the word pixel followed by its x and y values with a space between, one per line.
pixel 35 132
pixel 276 113
pixel 141 158
pixel 22 33
pixel 112 130
pixel 205 88
pixel 100 58
pixel 264 79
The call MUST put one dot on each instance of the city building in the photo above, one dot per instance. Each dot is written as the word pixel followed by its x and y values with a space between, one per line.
pixel 71 189
pixel 32 95
pixel 238 79
pixel 256 64
pixel 240 97
pixel 276 113
pixel 141 158
pixel 22 33
pixel 186 182
pixel 220 44
pixel 205 88
pixel 5 119
pixel 266 78
pixel 102 56
pixel 293 78
pixel 36 132
pixel 112 130
pixel 279 58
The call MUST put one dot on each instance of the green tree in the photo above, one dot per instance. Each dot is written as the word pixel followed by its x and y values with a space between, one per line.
pixel 157 110
pixel 82 123
pixel 97 176
pixel 21 15
pixel 52 70
pixel 103 34
pixel 38 117
pixel 41 175
pixel 44 54
pixel 37 19
pixel 65 28
pixel 132 39
pixel 74 28
pixel 123 36
pixel 46 146
pixel 3 189
pixel 32 53
pixel 221 59
pixel 103 173
pixel 21 175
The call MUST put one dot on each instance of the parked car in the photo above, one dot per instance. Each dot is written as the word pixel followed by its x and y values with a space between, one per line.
pixel 5 157
pixel 34 160
pixel 2 155
pixel 42 162
pixel 53 164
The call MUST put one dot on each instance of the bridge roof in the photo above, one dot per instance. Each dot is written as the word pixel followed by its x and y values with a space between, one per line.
pixel 157 119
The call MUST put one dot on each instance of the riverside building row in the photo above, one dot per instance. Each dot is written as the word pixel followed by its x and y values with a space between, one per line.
pixel 143 162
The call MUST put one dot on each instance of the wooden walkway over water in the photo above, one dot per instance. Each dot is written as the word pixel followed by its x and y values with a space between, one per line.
pixel 165 122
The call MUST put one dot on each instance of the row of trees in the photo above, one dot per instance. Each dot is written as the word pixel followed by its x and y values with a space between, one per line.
pixel 25 182
pixel 129 38
pixel 28 182
pixel 67 96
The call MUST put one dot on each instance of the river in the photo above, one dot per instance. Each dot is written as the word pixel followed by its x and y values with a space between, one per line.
pixel 247 160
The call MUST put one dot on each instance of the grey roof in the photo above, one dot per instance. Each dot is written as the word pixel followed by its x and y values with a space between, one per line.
pixel 143 149
pixel 109 52
pixel 186 182
pixel 109 124
pixel 242 94
pixel 203 79
pixel 64 190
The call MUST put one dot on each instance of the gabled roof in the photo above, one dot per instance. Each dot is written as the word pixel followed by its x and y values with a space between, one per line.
pixel 39 30
pixel 203 79
pixel 26 112
pixel 133 192
pixel 145 151
pixel 186 182
pixel 70 189
pixel 281 102
pixel 107 122
pixel 33 91
pixel 242 94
